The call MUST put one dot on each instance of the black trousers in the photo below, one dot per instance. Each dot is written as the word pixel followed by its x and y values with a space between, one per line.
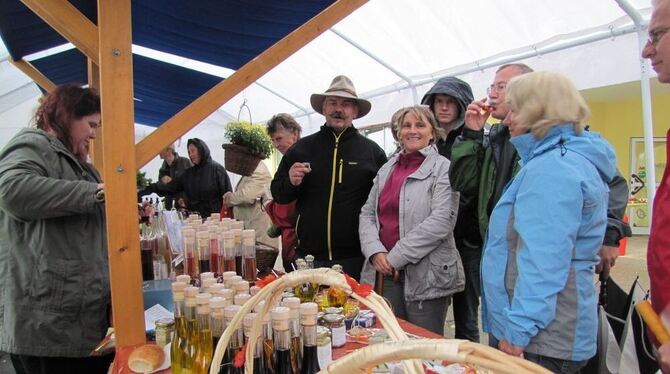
pixel 24 364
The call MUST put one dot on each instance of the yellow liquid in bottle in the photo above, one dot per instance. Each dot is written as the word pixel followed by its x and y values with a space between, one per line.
pixel 192 344
pixel 203 357
pixel 175 348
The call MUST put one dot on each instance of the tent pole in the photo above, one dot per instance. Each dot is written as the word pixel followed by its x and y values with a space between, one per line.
pixel 645 88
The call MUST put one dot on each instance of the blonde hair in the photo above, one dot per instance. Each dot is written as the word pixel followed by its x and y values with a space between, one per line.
pixel 423 113
pixel 543 99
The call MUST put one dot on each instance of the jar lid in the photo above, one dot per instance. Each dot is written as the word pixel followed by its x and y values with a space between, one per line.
pixel 333 318
pixel 164 322
pixel 333 310
pixel 322 331
pixel 217 302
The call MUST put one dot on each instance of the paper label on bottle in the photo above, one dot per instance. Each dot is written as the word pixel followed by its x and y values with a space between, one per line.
pixel 324 354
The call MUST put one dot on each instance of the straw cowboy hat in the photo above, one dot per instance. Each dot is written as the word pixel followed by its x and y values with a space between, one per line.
pixel 340 87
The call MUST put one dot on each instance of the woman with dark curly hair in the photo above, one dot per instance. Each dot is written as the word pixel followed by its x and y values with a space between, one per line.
pixel 54 283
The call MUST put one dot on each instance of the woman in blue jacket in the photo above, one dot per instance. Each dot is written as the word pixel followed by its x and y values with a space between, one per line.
pixel 538 296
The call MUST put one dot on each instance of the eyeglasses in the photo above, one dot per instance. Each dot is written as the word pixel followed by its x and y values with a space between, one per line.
pixel 656 35
pixel 499 88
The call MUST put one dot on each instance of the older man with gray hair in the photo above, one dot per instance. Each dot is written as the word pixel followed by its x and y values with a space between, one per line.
pixel 172 167
pixel 657 50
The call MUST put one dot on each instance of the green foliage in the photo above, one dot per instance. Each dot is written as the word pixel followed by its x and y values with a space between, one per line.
pixel 142 180
pixel 252 136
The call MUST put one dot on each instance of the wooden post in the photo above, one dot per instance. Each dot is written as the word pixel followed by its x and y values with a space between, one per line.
pixel 218 95
pixel 116 92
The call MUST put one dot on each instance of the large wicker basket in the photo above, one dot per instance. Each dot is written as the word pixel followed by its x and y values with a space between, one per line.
pixel 240 160
pixel 400 349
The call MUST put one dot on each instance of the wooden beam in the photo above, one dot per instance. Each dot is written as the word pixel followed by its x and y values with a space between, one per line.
pixel 96 146
pixel 116 93
pixel 68 21
pixel 31 71
pixel 206 104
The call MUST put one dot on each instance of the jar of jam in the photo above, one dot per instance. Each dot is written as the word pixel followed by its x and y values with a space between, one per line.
pixel 164 331
pixel 338 331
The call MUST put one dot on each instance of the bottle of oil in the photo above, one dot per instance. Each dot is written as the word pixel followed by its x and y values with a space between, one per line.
pixel 216 320
pixel 293 303
pixel 188 346
pixel 235 343
pixel 180 332
pixel 249 321
pixel 310 360
pixel 306 292
pixel 249 253
pixel 204 352
pixel 282 340
pixel 268 345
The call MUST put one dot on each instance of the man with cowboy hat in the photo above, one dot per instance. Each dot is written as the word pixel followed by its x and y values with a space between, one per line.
pixel 330 174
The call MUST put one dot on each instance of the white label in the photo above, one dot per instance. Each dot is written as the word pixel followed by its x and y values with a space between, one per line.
pixel 339 336
pixel 324 354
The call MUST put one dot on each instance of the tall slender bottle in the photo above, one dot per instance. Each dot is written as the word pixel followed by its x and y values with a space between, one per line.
pixel 236 340
pixel 282 340
pixel 180 332
pixel 191 266
pixel 293 303
pixel 204 352
pixel 214 237
pixel 237 235
pixel 216 320
pixel 310 359
pixel 190 344
pixel 249 253
pixel 203 250
pixel 249 321
pixel 229 252
pixel 268 346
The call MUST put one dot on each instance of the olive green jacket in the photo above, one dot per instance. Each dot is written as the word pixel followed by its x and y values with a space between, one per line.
pixel 54 283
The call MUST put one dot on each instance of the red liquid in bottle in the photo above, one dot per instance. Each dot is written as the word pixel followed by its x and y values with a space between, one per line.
pixel 190 266
pixel 214 262
pixel 229 264
pixel 250 269
pixel 238 265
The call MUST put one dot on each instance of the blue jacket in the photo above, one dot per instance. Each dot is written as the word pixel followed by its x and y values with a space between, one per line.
pixel 543 242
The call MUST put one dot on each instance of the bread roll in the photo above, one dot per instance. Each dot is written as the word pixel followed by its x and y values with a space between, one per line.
pixel 146 358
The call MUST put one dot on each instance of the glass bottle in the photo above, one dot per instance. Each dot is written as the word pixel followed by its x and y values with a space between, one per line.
pixel 163 245
pixel 191 265
pixel 237 237
pixel 306 292
pixel 249 321
pixel 268 345
pixel 249 253
pixel 324 348
pixel 337 296
pixel 191 343
pixel 282 340
pixel 236 339
pixel 214 236
pixel 216 318
pixel 310 361
pixel 309 260
pixel 226 277
pixel 229 252
pixel 180 332
pixel 228 296
pixel 146 252
pixel 204 352
pixel 293 303
pixel 203 250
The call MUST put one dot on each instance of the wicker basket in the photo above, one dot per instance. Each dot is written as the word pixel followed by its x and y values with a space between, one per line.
pixel 272 293
pixel 456 351
pixel 265 258
pixel 239 160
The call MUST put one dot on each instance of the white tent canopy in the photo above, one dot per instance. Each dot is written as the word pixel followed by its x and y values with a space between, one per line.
pixel 393 50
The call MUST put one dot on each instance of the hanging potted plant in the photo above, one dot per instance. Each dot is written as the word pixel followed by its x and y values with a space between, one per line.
pixel 249 144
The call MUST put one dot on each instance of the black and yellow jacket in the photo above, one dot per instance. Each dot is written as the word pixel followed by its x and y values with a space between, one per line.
pixel 330 198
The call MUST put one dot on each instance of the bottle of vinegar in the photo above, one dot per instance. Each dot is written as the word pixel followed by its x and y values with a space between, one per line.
pixel 293 303
pixel 310 359
pixel 282 340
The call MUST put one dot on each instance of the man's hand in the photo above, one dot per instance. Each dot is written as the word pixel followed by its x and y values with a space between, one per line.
pixel 226 199
pixel 476 114
pixel 166 179
pixel 608 256
pixel 664 358
pixel 510 349
pixel 381 263
pixel 297 172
